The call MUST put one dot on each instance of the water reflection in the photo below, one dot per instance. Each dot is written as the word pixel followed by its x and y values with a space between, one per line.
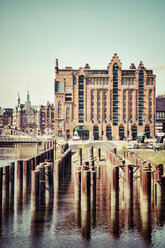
pixel 112 214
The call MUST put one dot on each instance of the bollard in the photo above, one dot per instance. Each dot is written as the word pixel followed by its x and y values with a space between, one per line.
pixel 35 183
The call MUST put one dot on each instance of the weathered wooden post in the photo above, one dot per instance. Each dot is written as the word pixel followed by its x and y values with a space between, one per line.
pixel 80 155
pixel 1 180
pixel 41 170
pixel 78 195
pixel 12 176
pixel 26 172
pixel 20 169
pixel 6 182
pixel 85 203
pixel 35 183
pixel 98 154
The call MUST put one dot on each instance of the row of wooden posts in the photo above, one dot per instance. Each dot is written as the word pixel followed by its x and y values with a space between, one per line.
pixel 149 173
pixel 37 171
pixel 85 178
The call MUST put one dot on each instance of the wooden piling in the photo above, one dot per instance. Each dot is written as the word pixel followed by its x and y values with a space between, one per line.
pixel 99 154
pixel 80 155
pixel 35 183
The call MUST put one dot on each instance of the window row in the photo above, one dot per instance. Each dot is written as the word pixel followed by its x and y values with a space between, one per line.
pixel 97 81
pixel 127 81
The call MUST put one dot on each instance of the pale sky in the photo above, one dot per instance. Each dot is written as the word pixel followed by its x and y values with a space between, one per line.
pixel 34 33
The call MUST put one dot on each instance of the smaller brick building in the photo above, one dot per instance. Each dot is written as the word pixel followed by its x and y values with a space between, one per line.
pixel 37 120
pixel 160 113
pixel 6 117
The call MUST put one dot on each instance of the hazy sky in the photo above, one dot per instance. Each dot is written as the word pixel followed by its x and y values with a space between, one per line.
pixel 34 33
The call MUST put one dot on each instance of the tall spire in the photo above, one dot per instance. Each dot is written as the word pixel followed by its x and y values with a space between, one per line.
pixel 28 99
pixel 18 100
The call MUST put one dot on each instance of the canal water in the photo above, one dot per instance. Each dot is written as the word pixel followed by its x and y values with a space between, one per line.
pixel 110 220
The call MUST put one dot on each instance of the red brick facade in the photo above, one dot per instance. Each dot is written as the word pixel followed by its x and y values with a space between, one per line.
pixel 109 103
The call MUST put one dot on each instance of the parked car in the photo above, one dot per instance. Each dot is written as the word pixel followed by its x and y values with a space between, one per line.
pixel 158 147
pixel 144 146
pixel 128 146
pixel 136 146
pixel 150 146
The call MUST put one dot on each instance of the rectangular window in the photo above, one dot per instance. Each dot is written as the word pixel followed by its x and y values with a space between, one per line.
pixel 59 115
pixel 132 81
pixel 67 110
pixel 67 119
pixel 59 133
pixel 60 124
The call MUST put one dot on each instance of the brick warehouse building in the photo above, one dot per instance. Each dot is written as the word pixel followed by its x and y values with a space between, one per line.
pixel 105 104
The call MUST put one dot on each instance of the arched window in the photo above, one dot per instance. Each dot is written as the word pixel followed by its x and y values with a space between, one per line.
pixel 121 132
pixel 147 131
pixel 96 133
pixel 134 132
pixel 109 132
pixel 67 134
